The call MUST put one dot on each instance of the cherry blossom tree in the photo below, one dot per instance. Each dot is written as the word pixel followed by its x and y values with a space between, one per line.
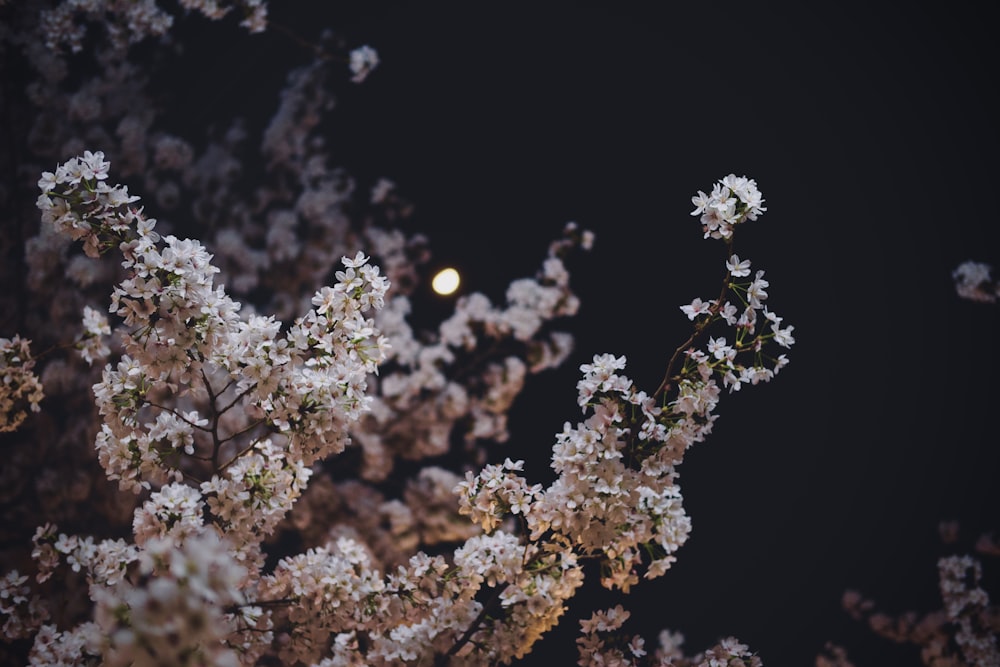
pixel 241 449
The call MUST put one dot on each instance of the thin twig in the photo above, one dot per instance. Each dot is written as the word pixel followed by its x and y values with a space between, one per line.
pixel 700 328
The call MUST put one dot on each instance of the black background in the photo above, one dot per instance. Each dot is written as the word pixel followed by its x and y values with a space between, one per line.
pixel 872 135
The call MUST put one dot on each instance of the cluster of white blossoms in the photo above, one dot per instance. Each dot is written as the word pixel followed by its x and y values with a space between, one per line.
pixel 129 22
pixel 466 377
pixel 182 606
pixel 126 23
pixel 188 360
pixel 77 201
pixel 92 344
pixel 721 354
pixel 616 496
pixel 734 200
pixel 218 420
pixel 185 333
pixel 237 536
pixel 274 240
pixel 20 388
pixel 22 611
pixel 973 281
pixel 967 605
pixel 601 645
pixel 363 60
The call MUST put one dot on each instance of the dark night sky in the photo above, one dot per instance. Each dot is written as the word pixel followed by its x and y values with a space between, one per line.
pixel 873 137
pixel 871 133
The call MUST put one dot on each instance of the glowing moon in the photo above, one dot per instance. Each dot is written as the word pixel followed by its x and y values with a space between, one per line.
pixel 446 281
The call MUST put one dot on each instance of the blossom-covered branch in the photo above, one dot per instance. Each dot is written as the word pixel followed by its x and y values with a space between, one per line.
pixel 256 441
pixel 188 358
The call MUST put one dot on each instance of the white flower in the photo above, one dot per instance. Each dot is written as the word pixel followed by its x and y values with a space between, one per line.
pixel 738 268
pixel 696 308
pixel 756 292
pixel 364 59
pixel 718 348
pixel 783 337
pixel 48 182
pixel 93 166
pixel 359 260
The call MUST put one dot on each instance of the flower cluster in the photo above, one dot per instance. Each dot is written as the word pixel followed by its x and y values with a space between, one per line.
pixel 188 358
pixel 177 610
pixel 465 376
pixel 968 606
pixel 22 613
pixel 182 335
pixel 65 25
pixel 183 331
pixel 616 495
pixel 720 356
pixel 21 390
pixel 734 200
pixel 597 643
pixel 77 201
pixel 92 345
pixel 241 537
pixel 973 281
pixel 601 645
pixel 364 59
